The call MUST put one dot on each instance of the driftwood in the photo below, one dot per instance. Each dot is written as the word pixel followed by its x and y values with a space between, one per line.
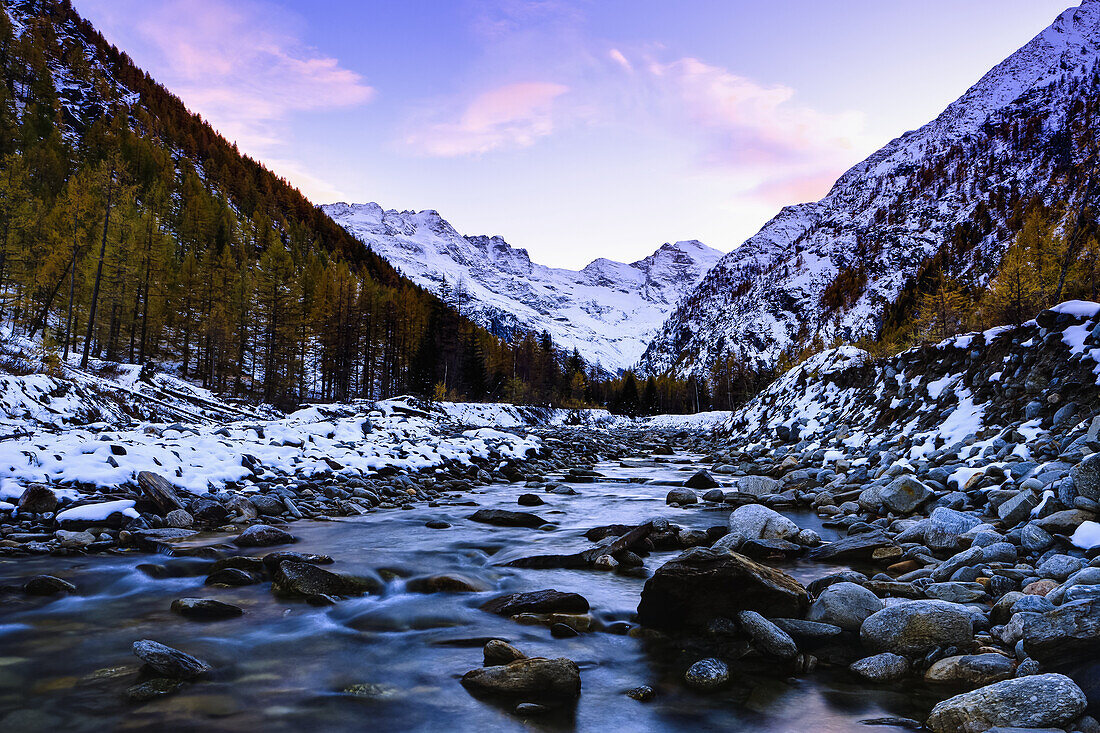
pixel 159 491
pixel 586 558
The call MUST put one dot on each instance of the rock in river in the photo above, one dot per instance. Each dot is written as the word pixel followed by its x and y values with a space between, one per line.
pixel 263 535
pixel 506 518
pixel 701 481
pixel 701 584
pixel 205 609
pixel 707 674
pixel 1037 701
pixel 47 585
pixel 971 669
pixel 169 662
pixel 536 679
pixel 539 601
pixel 304 580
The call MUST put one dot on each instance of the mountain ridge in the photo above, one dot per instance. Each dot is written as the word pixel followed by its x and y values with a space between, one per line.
pixel 607 310
pixel 888 216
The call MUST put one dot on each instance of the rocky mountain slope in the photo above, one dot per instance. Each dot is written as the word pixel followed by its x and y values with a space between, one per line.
pixel 608 311
pixel 950 192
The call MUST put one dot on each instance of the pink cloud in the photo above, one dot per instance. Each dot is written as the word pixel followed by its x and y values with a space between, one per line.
pixel 745 123
pixel 237 63
pixel 506 117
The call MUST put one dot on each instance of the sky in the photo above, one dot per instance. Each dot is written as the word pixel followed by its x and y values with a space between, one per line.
pixel 573 128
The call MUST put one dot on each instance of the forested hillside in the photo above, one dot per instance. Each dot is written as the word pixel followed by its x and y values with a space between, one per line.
pixel 131 231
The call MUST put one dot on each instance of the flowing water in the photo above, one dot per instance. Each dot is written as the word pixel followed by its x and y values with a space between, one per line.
pixel 65 662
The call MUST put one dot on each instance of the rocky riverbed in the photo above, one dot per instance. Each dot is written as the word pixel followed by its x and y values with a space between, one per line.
pixel 899 543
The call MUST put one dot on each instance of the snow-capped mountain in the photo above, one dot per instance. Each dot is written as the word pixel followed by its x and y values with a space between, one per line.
pixel 608 311
pixel 949 194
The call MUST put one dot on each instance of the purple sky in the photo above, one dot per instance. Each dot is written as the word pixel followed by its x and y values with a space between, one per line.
pixel 577 129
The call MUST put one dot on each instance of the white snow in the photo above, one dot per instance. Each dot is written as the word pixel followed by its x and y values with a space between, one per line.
pixel 1086 536
pixel 98 512
pixel 1078 308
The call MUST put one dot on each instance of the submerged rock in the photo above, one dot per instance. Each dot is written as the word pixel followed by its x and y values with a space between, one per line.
pixel 707 675
pixel 170 662
pixel 535 679
pixel 205 609
pixel 506 518
pixel 540 601
pixel 301 579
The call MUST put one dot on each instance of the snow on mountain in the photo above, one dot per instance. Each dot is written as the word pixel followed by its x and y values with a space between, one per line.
pixel 953 188
pixel 608 311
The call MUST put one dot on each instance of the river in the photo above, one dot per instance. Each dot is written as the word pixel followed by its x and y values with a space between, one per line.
pixel 284 665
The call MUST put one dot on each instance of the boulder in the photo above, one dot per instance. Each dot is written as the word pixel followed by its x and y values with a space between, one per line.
pixel 1036 701
pixel 205 609
pixel 301 579
pixel 159 492
pixel 757 485
pixel 846 605
pixel 37 499
pixel 702 584
pixel 916 627
pixel 945 527
pixel 707 675
pixel 681 496
pixel 701 481
pixel 540 601
pixel 904 494
pixel 756 522
pixel 974 670
pixel 169 662
pixel 885 667
pixel 263 535
pixel 766 636
pixel 856 547
pixel 530 680
pixel 1086 477
pixel 498 652
pixel 47 585
pixel 506 518
pixel 1070 631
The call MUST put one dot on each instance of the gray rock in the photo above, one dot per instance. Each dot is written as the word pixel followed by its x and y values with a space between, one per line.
pixel 179 518
pixel 999 552
pixel 707 675
pixel 956 592
pixel 944 527
pixel 1086 477
pixel 885 667
pixel 1070 631
pixel 304 580
pixel 846 605
pixel 1017 509
pixel 497 652
pixel 757 485
pixel 263 535
pixel 169 662
pixel 47 585
pixel 37 499
pixel 904 494
pixel 1037 701
pixel 534 679
pixel 701 584
pixel 205 609
pixel 756 522
pixel 681 496
pixel 541 601
pixel 766 636
pixel 962 559
pixel 1035 538
pixel 974 670
pixel 1059 567
pixel 916 627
